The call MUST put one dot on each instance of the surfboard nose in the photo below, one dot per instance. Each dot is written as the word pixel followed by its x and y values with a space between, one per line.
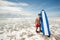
pixel 42 9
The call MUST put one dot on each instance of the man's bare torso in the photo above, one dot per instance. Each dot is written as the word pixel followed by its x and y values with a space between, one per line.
pixel 37 20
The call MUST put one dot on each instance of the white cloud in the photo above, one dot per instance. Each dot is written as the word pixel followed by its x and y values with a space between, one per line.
pixel 14 10
pixel 10 7
pixel 7 3
pixel 23 4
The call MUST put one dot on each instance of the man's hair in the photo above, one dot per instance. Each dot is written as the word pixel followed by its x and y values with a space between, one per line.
pixel 39 14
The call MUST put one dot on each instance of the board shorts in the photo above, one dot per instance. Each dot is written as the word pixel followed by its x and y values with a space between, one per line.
pixel 38 25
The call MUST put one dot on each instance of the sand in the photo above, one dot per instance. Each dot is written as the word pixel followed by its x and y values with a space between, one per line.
pixel 24 29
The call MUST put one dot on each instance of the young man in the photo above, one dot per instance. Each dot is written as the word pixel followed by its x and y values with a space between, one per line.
pixel 37 23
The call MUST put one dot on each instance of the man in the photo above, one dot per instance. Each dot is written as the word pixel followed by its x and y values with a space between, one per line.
pixel 37 23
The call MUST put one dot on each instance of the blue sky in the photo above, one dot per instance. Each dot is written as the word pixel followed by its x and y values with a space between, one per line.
pixel 30 7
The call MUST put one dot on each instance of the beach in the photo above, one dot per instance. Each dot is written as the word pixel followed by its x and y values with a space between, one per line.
pixel 24 29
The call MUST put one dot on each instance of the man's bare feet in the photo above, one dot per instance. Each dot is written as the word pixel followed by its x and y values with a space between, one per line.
pixel 38 31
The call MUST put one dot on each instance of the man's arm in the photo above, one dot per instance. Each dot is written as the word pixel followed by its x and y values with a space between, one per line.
pixel 35 21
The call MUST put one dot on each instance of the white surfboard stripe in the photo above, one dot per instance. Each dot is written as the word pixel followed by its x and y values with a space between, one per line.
pixel 44 24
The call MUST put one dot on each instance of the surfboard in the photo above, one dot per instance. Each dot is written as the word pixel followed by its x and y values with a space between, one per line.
pixel 44 23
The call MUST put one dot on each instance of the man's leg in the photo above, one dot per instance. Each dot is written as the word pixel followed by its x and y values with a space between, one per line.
pixel 40 29
pixel 36 29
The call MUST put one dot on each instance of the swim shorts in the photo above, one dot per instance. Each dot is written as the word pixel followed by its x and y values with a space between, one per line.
pixel 38 25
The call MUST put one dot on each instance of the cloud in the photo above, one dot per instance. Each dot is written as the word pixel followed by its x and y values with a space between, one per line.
pixel 23 4
pixel 12 8
pixel 7 3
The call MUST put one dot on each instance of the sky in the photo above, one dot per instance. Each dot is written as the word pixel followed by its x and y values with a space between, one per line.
pixel 29 8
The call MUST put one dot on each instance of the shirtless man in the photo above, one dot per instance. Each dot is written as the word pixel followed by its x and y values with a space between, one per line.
pixel 37 23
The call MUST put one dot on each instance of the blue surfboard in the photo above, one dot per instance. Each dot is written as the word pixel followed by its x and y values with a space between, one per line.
pixel 44 23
